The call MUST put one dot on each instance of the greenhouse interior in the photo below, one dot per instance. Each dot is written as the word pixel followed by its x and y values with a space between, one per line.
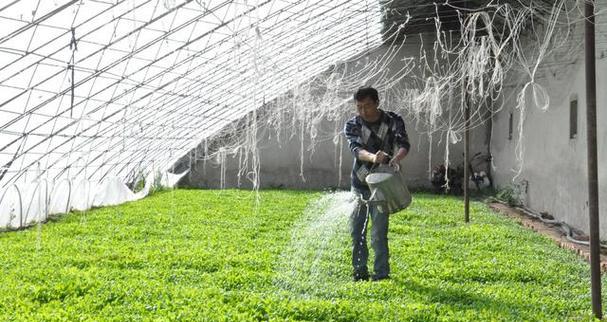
pixel 291 160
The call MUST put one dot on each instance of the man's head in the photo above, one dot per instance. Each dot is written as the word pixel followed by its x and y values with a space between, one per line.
pixel 367 102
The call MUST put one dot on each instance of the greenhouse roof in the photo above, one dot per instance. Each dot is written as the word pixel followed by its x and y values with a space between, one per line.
pixel 106 87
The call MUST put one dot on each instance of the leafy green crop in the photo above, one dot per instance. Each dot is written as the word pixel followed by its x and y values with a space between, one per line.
pixel 204 255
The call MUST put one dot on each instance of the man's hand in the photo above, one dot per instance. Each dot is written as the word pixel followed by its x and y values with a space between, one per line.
pixel 380 157
pixel 394 162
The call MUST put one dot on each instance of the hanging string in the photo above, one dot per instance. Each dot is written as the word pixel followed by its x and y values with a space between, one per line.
pixel 70 66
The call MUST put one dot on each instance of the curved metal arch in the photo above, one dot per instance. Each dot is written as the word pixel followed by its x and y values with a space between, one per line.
pixel 20 203
pixel 69 193
pixel 36 189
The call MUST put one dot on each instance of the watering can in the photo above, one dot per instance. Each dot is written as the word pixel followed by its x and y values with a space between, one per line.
pixel 388 189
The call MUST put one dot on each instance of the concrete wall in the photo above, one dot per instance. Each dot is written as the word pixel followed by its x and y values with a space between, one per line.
pixel 554 166
pixel 281 162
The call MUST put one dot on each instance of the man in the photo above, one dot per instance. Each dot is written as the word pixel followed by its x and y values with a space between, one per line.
pixel 375 137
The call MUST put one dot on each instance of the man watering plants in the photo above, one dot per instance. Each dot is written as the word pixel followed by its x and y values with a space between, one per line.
pixel 375 137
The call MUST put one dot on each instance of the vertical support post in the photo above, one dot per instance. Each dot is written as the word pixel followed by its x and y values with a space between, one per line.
pixel 593 193
pixel 466 155
pixel 466 141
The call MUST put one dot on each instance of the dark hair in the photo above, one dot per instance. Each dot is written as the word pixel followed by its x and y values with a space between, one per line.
pixel 364 92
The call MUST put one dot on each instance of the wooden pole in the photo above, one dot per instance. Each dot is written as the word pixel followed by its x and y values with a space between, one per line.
pixel 593 191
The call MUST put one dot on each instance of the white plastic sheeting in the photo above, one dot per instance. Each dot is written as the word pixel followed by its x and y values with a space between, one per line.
pixel 23 205
pixel 100 92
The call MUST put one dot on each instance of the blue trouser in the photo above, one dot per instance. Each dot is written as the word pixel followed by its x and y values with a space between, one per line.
pixel 379 237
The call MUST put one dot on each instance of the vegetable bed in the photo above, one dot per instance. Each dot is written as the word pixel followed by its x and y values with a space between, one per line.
pixel 233 255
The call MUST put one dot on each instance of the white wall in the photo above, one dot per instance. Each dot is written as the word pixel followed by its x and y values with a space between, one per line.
pixel 555 166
